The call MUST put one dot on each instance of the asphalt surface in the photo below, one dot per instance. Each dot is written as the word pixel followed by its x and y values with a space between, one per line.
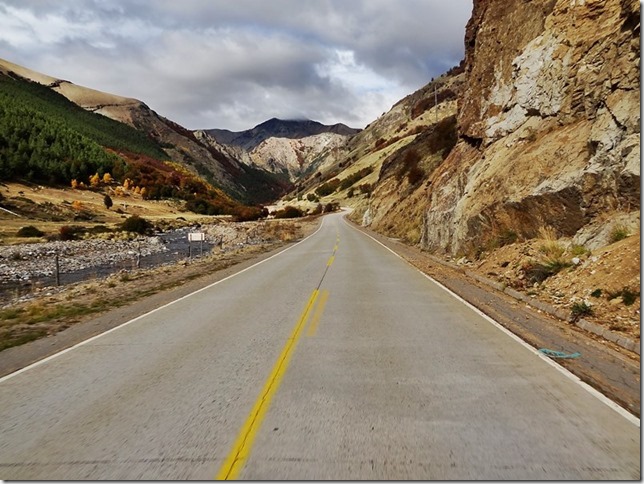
pixel 332 360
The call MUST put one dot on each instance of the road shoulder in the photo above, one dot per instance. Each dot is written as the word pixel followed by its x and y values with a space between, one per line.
pixel 607 367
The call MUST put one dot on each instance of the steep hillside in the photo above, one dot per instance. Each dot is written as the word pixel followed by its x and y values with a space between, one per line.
pixel 376 170
pixel 287 148
pixel 549 124
pixel 246 183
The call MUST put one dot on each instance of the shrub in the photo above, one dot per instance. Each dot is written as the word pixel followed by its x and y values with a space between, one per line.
pixel 136 224
pixel 246 214
pixel 289 212
pixel 328 188
pixel 107 201
pixel 70 232
pixel 579 250
pixel 410 167
pixel 354 177
pixel 628 296
pixel 618 233
pixel 366 188
pixel 312 198
pixel 29 231
pixel 331 207
pixel 415 175
pixel 507 237
pixel 540 271
pixel 596 293
pixel 579 309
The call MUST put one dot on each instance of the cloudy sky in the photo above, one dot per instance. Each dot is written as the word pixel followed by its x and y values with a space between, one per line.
pixel 235 63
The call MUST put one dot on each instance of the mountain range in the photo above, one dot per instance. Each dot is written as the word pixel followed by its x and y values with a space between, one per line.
pixel 277 128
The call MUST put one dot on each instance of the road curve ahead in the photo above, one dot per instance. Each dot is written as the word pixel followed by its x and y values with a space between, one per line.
pixel 332 360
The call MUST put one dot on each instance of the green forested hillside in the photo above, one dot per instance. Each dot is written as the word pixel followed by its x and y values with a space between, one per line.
pixel 45 137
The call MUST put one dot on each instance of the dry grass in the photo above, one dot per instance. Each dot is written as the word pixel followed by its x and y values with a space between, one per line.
pixel 49 209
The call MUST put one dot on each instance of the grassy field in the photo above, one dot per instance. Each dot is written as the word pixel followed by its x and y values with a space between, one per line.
pixel 49 209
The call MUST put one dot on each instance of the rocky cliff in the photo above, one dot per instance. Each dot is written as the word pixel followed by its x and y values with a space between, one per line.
pixel 549 122
pixel 290 148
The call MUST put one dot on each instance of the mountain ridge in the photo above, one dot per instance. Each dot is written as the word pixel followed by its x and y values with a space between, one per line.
pixel 277 128
pixel 248 184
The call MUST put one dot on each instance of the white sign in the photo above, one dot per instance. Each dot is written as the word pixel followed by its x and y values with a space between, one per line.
pixel 196 237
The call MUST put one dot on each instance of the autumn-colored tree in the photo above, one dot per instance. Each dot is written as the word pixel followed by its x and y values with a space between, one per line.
pixel 94 180
pixel 137 189
pixel 144 191
pixel 107 178
pixel 77 205
pixel 74 184
pixel 126 183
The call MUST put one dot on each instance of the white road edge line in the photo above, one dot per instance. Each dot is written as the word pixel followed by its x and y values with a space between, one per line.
pixel 84 342
pixel 619 409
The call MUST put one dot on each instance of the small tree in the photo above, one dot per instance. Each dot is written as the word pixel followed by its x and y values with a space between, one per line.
pixel 94 180
pixel 107 178
pixel 136 224
pixel 107 200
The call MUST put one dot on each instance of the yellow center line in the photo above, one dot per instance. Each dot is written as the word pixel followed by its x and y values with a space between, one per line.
pixel 236 459
pixel 330 261
pixel 318 313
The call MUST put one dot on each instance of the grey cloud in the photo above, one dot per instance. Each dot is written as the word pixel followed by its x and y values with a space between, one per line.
pixel 233 64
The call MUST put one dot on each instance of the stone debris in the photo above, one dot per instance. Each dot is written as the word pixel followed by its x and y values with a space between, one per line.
pixel 26 261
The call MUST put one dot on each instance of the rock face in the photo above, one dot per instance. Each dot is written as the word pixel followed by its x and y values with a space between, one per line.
pixel 549 123
pixel 288 147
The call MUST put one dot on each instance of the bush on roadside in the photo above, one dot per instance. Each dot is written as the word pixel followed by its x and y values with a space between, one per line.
pixel 136 224
pixel 29 231
pixel 289 212
pixel 70 232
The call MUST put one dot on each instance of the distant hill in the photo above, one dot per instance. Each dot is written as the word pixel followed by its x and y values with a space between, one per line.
pixel 248 184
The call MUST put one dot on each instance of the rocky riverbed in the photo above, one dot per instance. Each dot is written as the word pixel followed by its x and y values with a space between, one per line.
pixel 25 264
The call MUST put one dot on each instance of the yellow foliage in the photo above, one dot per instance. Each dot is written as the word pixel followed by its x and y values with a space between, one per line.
pixel 118 191
pixel 107 178
pixel 137 190
pixel 77 205
pixel 74 184
pixel 144 191
pixel 94 180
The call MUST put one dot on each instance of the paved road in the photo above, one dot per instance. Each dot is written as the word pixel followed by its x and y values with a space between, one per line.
pixel 332 360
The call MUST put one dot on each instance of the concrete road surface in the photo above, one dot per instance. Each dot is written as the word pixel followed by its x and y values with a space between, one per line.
pixel 332 360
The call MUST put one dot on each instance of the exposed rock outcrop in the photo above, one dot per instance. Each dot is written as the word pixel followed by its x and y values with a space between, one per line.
pixel 286 147
pixel 549 123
